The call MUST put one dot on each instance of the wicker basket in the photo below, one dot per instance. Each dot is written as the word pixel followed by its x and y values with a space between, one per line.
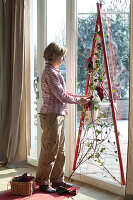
pixel 22 188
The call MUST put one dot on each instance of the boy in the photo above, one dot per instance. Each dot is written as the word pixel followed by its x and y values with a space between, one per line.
pixel 52 116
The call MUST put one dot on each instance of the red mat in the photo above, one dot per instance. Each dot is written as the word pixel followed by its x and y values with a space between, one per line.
pixel 37 195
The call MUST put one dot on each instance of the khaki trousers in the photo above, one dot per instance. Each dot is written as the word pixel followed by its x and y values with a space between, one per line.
pixel 52 157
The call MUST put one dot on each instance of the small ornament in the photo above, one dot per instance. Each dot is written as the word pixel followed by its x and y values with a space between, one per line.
pixel 90 65
pixel 100 91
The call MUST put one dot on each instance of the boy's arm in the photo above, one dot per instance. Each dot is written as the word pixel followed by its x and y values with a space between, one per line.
pixel 57 89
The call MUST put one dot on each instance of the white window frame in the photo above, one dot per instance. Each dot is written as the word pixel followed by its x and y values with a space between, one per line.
pixel 41 44
pixel 70 82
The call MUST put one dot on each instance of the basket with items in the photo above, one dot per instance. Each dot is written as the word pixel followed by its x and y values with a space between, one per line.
pixel 22 185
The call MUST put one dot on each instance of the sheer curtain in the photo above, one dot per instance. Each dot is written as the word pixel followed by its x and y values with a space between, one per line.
pixel 14 117
pixel 129 185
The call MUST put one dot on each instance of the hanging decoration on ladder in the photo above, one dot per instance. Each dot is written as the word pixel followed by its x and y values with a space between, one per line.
pixel 96 125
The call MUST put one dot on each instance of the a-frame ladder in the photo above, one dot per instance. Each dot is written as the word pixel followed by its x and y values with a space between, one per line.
pixel 99 22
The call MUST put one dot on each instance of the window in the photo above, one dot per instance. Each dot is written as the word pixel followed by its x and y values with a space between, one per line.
pixel 116 28
pixel 56 31
pixel 56 25
pixel 72 23
pixel 33 77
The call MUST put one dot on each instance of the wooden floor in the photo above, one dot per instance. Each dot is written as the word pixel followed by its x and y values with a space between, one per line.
pixel 86 192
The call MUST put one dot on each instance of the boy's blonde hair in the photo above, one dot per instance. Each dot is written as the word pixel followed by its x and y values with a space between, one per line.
pixel 53 51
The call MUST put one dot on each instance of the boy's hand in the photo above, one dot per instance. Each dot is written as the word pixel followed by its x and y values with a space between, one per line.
pixel 85 99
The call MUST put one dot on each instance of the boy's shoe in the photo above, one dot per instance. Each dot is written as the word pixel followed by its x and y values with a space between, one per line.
pixel 47 189
pixel 62 183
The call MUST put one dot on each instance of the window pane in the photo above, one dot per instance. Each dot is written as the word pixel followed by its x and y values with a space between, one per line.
pixel 97 128
pixel 33 63
pixel 56 25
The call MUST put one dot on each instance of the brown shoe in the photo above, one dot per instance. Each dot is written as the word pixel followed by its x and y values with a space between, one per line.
pixel 62 183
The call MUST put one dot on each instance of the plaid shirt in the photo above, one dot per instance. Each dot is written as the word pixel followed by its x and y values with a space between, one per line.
pixel 55 97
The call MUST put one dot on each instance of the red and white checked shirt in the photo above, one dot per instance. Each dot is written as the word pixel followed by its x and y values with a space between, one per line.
pixel 54 94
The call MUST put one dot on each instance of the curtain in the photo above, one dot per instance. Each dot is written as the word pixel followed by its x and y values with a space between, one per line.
pixel 129 185
pixel 27 80
pixel 1 57
pixel 14 117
